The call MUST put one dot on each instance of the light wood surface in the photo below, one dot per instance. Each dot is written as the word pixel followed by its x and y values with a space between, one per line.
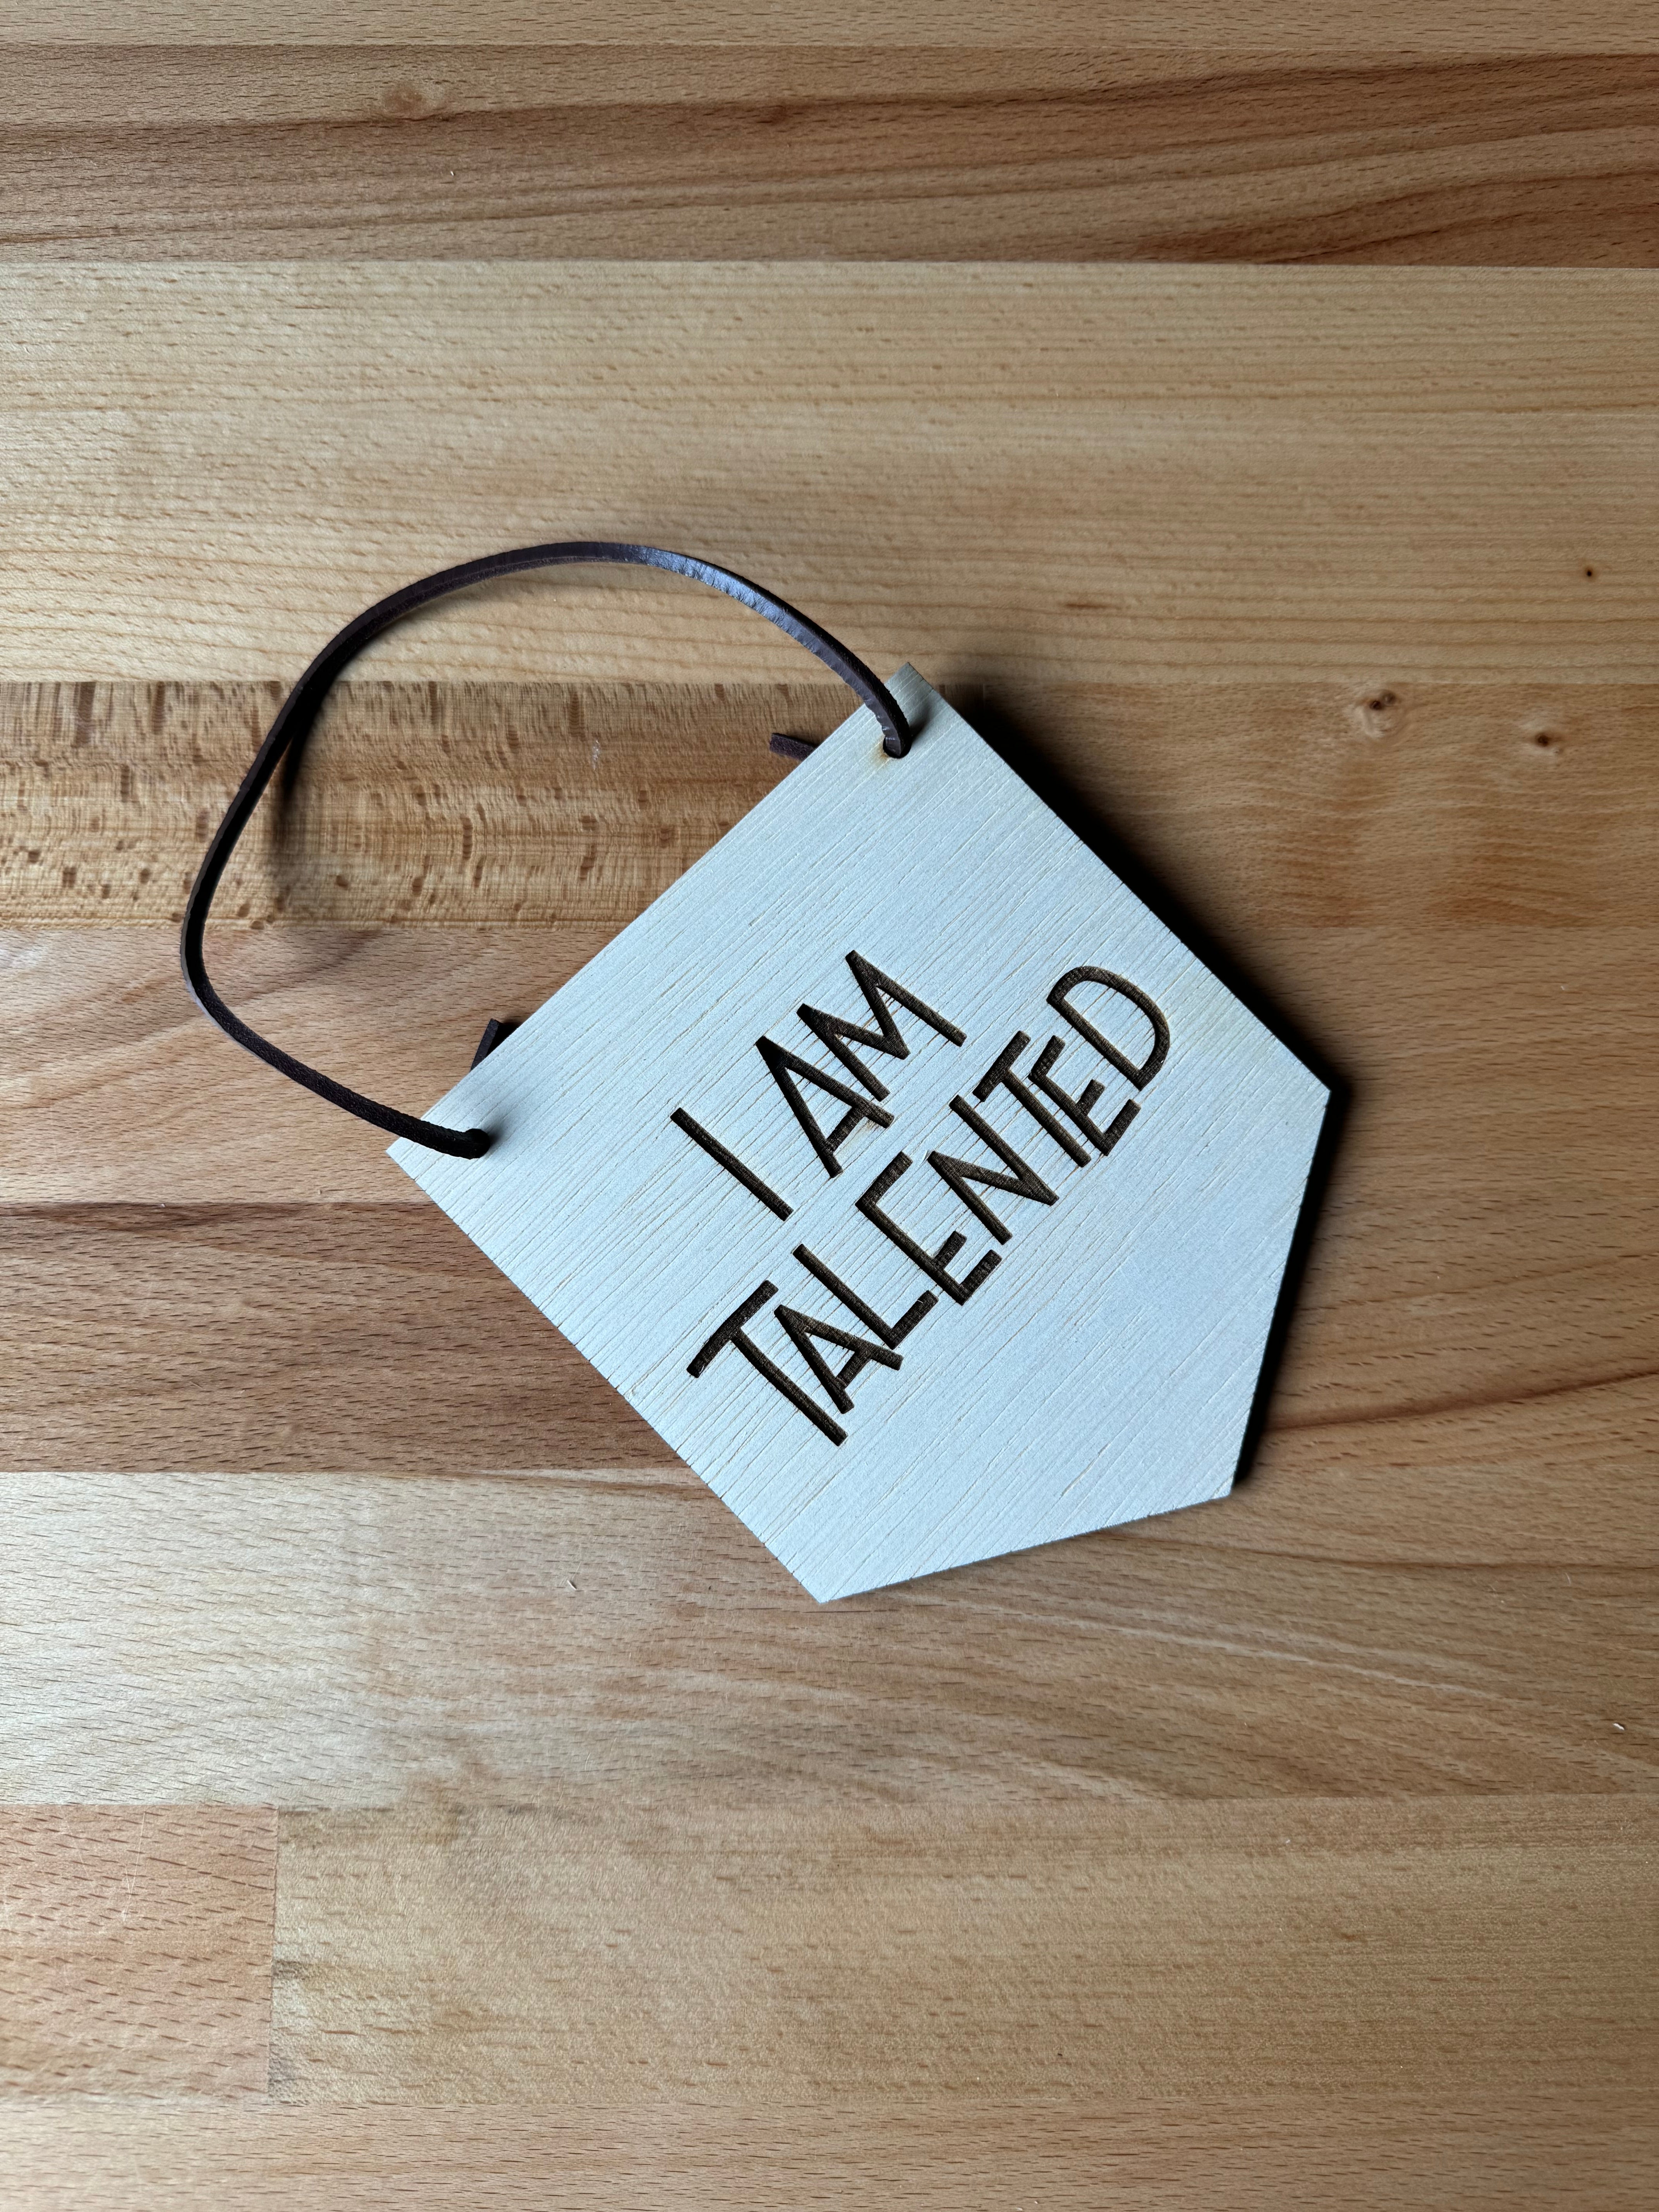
pixel 1001 474
pixel 355 1641
pixel 569 803
pixel 418 1788
pixel 134 1950
pixel 1542 2148
pixel 1112 1916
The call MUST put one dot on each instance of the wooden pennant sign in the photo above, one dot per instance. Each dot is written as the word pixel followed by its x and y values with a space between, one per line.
pixel 926 1195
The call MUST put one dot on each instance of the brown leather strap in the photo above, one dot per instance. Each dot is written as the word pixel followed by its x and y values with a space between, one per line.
pixel 300 710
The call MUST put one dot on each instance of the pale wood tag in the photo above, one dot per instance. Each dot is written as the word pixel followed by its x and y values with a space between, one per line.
pixel 904 1292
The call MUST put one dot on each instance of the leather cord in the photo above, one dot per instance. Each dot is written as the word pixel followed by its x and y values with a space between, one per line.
pixel 298 711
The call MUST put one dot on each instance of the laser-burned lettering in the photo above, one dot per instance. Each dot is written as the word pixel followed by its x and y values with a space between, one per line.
pixel 1002 1167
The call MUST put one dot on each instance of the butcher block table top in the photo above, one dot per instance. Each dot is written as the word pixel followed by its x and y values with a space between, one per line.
pixel 419 1790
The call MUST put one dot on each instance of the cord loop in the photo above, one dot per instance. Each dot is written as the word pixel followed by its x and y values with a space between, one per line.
pixel 298 711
